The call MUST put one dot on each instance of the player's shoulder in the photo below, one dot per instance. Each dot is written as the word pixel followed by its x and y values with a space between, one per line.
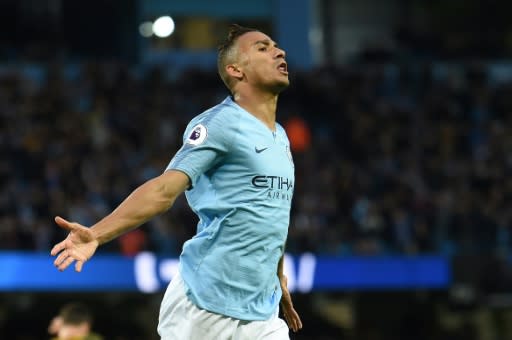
pixel 223 113
pixel 220 123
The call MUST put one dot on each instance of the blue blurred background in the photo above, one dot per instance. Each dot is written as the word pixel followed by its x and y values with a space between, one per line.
pixel 399 115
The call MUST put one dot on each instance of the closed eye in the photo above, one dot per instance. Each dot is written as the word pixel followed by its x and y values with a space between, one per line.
pixel 263 45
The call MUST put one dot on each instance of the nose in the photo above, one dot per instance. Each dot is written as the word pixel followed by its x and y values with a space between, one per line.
pixel 280 53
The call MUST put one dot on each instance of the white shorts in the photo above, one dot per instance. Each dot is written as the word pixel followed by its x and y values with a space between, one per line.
pixel 180 319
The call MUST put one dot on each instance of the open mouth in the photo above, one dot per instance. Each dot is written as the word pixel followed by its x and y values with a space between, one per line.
pixel 283 68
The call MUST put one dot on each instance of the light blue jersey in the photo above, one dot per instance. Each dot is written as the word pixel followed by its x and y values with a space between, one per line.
pixel 242 178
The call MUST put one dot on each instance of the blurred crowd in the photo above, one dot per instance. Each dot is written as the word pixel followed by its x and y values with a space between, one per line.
pixel 389 159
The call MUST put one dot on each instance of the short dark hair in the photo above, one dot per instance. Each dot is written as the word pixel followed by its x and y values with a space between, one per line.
pixel 226 51
pixel 75 313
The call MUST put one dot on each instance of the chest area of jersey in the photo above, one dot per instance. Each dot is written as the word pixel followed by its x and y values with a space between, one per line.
pixel 264 155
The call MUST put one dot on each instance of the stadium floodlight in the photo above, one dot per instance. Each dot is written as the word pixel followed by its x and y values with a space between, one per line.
pixel 146 29
pixel 163 27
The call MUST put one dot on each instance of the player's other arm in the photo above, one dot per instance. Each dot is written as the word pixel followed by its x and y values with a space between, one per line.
pixel 148 200
pixel 290 314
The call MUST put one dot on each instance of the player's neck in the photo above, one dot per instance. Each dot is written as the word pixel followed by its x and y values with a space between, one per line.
pixel 261 105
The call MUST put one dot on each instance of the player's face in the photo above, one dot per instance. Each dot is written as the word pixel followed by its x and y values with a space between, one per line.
pixel 263 62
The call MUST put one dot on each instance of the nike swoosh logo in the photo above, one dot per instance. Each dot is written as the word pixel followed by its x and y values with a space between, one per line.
pixel 260 150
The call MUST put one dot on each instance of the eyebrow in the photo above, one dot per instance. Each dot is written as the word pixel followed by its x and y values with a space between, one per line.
pixel 265 42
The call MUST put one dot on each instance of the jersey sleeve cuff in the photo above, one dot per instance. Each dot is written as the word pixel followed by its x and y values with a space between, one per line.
pixel 190 174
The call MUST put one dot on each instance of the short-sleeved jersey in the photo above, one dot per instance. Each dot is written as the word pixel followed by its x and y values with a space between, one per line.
pixel 242 181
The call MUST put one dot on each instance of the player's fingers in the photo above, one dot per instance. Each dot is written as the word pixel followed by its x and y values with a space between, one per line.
pixel 58 248
pixel 66 263
pixel 289 320
pixel 293 320
pixel 298 323
pixel 297 319
pixel 61 258
pixel 293 323
pixel 295 316
pixel 65 224
pixel 79 265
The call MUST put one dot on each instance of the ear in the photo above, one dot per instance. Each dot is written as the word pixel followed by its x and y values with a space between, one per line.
pixel 233 70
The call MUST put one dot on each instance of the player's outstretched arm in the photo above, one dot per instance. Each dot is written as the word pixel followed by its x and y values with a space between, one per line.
pixel 150 199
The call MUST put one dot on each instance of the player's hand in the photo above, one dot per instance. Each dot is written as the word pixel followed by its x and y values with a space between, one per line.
pixel 79 245
pixel 55 325
pixel 290 314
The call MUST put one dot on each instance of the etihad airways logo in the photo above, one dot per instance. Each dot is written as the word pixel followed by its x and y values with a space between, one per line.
pixel 272 182
pixel 277 187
